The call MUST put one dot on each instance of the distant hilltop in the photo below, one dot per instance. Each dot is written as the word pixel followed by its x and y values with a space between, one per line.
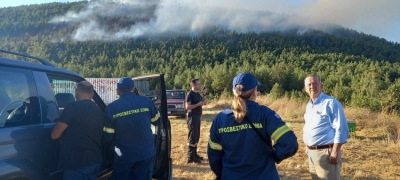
pixel 101 41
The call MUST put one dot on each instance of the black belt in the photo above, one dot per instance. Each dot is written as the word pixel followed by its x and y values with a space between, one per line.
pixel 320 147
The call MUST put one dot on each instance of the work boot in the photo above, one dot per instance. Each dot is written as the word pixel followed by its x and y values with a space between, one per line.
pixel 194 160
pixel 198 157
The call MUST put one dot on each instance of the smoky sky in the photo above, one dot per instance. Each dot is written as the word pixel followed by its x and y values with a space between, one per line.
pixel 136 18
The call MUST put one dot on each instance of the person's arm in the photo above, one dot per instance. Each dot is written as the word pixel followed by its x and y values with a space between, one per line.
pixel 62 124
pixel 214 149
pixel 189 105
pixel 204 100
pixel 204 96
pixel 108 129
pixel 58 130
pixel 155 114
pixel 333 158
pixel 285 141
pixel 339 123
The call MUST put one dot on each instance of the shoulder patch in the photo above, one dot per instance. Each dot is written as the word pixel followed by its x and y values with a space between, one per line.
pixel 277 116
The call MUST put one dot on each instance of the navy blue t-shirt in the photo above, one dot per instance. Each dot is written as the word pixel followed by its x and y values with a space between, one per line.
pixel 194 98
pixel 81 141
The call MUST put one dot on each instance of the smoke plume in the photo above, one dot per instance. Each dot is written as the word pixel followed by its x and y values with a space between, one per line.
pixel 121 19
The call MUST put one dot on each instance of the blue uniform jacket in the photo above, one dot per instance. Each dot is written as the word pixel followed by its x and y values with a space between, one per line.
pixel 235 151
pixel 127 123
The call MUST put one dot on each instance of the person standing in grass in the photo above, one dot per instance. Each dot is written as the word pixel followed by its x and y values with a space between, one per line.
pixel 239 150
pixel 324 132
pixel 194 103
pixel 127 126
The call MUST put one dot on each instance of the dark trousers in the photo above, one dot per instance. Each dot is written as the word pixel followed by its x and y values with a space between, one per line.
pixel 142 170
pixel 85 173
pixel 193 122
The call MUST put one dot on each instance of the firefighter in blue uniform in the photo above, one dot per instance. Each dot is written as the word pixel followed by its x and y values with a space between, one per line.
pixel 128 121
pixel 235 150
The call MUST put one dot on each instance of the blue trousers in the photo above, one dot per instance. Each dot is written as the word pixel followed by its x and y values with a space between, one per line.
pixel 141 170
pixel 85 173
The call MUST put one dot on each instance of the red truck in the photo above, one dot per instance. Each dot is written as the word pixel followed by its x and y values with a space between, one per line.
pixel 176 105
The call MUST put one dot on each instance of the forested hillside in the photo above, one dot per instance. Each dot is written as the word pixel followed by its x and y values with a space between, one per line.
pixel 359 70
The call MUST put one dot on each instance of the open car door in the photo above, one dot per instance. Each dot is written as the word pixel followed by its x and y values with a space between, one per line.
pixel 153 87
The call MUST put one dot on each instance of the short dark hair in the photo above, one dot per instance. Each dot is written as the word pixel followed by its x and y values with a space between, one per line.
pixel 85 87
pixel 193 81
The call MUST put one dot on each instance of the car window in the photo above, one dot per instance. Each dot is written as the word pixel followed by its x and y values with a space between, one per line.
pixel 46 97
pixel 175 94
pixel 151 89
pixel 19 105
pixel 64 91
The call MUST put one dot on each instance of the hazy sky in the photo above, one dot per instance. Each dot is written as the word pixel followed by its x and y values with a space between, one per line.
pixel 377 17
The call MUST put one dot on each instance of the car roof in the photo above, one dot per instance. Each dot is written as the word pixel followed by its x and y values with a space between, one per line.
pixel 35 66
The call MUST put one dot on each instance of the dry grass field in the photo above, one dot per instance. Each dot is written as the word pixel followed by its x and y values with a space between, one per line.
pixel 372 152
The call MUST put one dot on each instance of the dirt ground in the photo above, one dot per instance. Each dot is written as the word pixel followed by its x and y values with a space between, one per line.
pixel 372 152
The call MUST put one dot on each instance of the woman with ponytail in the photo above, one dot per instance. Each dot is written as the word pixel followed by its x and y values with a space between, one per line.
pixel 247 139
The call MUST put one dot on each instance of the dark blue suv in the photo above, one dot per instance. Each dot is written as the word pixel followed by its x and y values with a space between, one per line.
pixel 32 97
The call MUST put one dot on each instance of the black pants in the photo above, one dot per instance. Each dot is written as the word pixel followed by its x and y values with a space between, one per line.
pixel 193 122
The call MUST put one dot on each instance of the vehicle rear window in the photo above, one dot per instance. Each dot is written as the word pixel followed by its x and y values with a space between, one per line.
pixel 175 95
